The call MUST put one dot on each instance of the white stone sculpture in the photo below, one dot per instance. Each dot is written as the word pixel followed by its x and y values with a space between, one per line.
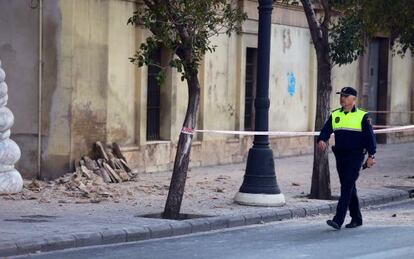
pixel 10 179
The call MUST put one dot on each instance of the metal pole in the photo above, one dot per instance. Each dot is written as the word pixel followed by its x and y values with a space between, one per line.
pixel 39 108
pixel 262 102
pixel 260 186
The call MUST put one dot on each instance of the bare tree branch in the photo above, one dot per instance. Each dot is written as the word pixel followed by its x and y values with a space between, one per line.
pixel 326 17
pixel 316 32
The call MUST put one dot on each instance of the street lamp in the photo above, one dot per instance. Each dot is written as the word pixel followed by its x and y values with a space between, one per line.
pixel 260 187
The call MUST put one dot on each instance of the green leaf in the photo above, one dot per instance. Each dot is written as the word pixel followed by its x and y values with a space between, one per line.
pixel 183 26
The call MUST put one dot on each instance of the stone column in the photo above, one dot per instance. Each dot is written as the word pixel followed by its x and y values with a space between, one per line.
pixel 10 179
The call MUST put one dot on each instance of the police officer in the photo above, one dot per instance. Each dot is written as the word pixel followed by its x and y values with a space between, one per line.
pixel 353 136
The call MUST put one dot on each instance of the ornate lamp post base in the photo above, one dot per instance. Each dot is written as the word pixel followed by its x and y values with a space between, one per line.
pixel 10 179
pixel 260 199
pixel 260 186
pixel 10 182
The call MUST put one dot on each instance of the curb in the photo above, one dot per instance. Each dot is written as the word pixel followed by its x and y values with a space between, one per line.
pixel 178 228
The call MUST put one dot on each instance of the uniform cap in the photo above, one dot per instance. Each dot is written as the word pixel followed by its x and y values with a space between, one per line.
pixel 347 91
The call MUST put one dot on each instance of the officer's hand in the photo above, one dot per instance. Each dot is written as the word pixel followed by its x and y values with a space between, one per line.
pixel 370 162
pixel 321 145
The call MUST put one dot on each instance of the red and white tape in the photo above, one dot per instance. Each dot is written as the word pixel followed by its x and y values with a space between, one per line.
pixel 386 112
pixel 395 129
pixel 298 133
pixel 188 131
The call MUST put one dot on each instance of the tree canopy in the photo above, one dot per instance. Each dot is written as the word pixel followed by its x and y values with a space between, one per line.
pixel 181 25
pixel 361 20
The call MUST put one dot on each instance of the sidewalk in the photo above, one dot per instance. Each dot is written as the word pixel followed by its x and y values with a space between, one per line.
pixel 52 223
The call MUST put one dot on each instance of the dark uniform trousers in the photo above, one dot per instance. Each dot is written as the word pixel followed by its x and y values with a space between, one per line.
pixel 348 166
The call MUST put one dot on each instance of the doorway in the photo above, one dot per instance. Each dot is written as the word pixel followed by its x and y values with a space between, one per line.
pixel 377 87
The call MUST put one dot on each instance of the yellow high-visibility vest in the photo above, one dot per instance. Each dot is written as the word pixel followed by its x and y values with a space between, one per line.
pixel 351 121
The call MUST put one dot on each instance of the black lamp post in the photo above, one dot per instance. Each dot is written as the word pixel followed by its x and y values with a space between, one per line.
pixel 260 186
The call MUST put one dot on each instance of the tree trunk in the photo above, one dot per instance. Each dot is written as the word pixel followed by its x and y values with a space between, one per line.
pixel 321 185
pixel 182 157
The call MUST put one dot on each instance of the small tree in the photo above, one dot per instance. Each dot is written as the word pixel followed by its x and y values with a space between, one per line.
pixel 342 40
pixel 319 30
pixel 185 27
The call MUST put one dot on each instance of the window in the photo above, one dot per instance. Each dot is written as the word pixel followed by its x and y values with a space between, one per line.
pixel 250 87
pixel 153 98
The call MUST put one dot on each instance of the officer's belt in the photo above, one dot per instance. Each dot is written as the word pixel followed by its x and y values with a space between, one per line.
pixel 347 151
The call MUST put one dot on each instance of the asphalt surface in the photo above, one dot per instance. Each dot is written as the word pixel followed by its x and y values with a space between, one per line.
pixel 379 237
pixel 33 227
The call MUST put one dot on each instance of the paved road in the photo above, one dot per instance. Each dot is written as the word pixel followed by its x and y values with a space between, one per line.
pixel 387 233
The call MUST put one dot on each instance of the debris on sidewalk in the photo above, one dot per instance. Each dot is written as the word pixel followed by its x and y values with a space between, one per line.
pixel 207 189
pixel 91 182
pixel 92 176
pixel 110 165
pixel 34 186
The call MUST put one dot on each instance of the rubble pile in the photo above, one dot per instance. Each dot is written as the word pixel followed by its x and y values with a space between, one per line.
pixel 110 166
pixel 91 181
pixel 92 176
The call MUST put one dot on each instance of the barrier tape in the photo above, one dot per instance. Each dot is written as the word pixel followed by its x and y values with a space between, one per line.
pixel 409 112
pixel 394 129
pixel 297 133
pixel 384 126
pixel 188 131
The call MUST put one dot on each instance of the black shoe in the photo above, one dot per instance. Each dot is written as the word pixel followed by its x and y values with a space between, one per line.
pixel 333 224
pixel 353 224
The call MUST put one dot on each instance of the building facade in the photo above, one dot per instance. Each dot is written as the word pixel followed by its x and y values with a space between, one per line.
pixel 71 84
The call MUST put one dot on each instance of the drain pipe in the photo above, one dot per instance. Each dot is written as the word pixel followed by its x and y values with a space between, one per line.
pixel 39 137
pixel 412 93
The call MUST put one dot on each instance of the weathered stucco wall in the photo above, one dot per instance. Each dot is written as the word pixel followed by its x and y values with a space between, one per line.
pixel 57 89
pixel 292 92
pixel 94 95
pixel 89 74
pixel 345 75
pixel 91 92
pixel 181 92
pixel 401 96
pixel 289 79
pixel 19 54
pixel 220 87
pixel 122 86
pixel 401 81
